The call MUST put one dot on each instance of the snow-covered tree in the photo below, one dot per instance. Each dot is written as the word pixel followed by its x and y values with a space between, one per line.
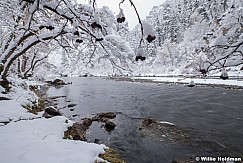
pixel 190 28
pixel 27 23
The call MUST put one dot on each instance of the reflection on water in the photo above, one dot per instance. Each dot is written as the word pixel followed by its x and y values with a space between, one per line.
pixel 212 117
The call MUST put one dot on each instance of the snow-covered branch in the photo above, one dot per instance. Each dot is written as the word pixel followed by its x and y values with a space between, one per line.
pixel 232 57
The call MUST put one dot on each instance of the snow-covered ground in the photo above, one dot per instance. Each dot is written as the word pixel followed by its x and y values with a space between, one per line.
pixel 29 138
pixel 187 80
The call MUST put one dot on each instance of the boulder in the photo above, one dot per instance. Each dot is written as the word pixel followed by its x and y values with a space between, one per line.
pixel 51 112
pixel 76 137
pixel 48 81
pixel 4 98
pixel 147 122
pixel 87 122
pixel 58 82
pixel 71 105
pixel 191 84
pixel 76 132
pixel 109 126
pixel 96 141
pixel 109 115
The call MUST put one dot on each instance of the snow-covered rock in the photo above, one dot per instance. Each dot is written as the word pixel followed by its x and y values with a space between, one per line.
pixel 191 84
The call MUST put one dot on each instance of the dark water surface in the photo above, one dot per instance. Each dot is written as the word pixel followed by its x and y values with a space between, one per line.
pixel 212 117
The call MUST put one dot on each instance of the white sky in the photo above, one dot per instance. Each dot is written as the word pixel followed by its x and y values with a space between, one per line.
pixel 143 7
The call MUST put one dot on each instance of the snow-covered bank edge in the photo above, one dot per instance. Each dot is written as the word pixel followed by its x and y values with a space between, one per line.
pixel 230 83
pixel 28 138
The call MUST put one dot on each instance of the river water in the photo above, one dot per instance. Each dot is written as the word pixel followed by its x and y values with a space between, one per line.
pixel 212 117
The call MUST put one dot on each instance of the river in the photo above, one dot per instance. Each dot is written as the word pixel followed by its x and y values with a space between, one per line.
pixel 212 117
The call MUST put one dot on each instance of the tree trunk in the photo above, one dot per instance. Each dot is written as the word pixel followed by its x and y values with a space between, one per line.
pixel 24 63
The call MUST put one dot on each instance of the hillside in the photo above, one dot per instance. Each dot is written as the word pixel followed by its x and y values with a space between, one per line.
pixel 193 35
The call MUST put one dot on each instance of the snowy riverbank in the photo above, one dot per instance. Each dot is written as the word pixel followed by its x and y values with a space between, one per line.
pixel 28 138
pixel 197 81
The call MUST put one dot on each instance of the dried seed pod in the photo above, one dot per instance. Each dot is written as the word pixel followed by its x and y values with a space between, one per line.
pixel 137 58
pixel 93 25
pixel 118 20
pixel 41 27
pixel 76 33
pixel 96 21
pixel 143 58
pixel 150 38
pixel 203 71
pixel 98 26
pixel 121 17
pixel 79 41
pixel 224 77
pixel 140 57
pixel 50 27
pixel 99 39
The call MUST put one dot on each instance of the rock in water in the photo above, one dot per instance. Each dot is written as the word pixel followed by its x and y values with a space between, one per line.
pixel 4 98
pixel 147 122
pixel 76 132
pixel 58 82
pixel 224 75
pixel 109 115
pixel 109 126
pixel 51 112
pixel 71 105
pixel 191 84
pixel 87 122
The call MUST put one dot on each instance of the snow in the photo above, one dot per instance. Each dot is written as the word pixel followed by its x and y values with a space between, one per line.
pixel 221 41
pixel 140 52
pixel 41 140
pixel 4 120
pixel 28 138
pixel 185 80
pixel 10 109
pixel 169 123
pixel 1 88
pixel 148 29
pixel 121 14
pixel 97 18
